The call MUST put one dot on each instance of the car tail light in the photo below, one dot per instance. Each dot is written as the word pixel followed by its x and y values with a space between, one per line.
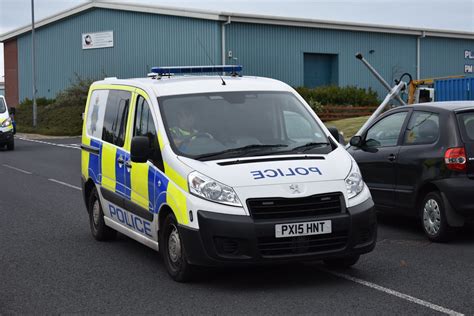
pixel 455 159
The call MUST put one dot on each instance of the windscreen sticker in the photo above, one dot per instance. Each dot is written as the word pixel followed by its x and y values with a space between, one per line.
pixel 285 172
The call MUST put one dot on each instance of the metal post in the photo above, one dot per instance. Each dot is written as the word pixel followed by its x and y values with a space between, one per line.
pixel 378 76
pixel 33 59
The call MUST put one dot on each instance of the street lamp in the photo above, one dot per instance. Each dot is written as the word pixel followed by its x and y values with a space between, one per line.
pixel 33 59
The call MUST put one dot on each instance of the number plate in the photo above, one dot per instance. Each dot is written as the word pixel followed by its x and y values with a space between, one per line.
pixel 303 229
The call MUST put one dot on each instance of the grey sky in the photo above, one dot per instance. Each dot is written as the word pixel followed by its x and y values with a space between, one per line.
pixel 435 14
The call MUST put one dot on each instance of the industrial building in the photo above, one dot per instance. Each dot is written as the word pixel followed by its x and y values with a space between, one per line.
pixel 99 39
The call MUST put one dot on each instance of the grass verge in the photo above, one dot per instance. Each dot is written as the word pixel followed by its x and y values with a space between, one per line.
pixel 348 126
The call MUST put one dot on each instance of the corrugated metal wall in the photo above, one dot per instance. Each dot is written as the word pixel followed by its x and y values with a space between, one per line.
pixel 143 40
pixel 140 42
pixel 277 51
pixel 444 56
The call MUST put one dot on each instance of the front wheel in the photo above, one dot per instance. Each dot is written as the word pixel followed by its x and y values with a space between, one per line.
pixel 173 252
pixel 433 217
pixel 11 145
pixel 99 230
pixel 343 262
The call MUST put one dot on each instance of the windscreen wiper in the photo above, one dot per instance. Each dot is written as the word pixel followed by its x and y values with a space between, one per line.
pixel 308 146
pixel 248 148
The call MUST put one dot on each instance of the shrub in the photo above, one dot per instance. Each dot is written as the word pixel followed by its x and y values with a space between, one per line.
pixel 334 95
pixel 59 116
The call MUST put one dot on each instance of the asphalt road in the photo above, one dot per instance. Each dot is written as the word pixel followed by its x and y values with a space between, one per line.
pixel 50 264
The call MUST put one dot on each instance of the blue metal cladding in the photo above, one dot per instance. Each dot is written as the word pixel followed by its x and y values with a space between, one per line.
pixel 443 57
pixel 456 89
pixel 141 41
pixel 278 52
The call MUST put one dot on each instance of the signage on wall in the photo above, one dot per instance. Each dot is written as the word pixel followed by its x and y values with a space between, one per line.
pixel 469 55
pixel 97 40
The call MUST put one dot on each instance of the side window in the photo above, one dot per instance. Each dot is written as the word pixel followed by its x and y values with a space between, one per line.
pixel 386 132
pixel 95 113
pixel 144 126
pixel 116 114
pixel 423 128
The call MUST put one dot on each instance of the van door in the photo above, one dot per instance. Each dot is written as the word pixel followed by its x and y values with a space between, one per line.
pixel 114 155
pixel 148 181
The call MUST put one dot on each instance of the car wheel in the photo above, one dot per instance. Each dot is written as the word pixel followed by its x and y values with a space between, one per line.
pixel 173 252
pixel 433 217
pixel 11 145
pixel 343 262
pixel 100 231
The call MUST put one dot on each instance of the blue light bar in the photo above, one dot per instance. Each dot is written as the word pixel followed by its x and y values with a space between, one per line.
pixel 196 69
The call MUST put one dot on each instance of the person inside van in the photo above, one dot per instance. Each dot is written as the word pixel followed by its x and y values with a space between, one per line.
pixel 185 129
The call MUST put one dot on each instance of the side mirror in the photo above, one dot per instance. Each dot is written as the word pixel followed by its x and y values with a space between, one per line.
pixel 140 149
pixel 356 141
pixel 335 133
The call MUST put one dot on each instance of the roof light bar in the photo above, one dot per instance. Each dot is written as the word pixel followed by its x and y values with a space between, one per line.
pixel 196 69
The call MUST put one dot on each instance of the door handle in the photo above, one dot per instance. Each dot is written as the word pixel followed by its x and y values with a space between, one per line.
pixel 392 157
pixel 120 161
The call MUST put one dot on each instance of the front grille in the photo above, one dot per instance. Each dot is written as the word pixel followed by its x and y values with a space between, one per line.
pixel 271 246
pixel 310 206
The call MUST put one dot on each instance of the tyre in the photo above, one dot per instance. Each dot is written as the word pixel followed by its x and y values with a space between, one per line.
pixel 173 252
pixel 343 262
pixel 99 230
pixel 11 145
pixel 433 217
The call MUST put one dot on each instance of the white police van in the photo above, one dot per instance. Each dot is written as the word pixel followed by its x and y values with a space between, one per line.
pixel 220 170
pixel 6 126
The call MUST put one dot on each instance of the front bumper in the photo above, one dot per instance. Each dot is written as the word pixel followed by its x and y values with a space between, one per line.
pixel 6 136
pixel 232 240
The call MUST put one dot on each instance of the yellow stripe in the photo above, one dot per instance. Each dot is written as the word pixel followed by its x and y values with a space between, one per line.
pixel 108 166
pixel 131 116
pixel 113 87
pixel 176 177
pixel 85 158
pixel 160 141
pixel 139 183
pixel 176 199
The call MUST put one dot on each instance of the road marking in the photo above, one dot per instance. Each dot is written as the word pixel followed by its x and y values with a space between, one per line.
pixel 73 146
pixel 395 293
pixel 65 184
pixel 17 169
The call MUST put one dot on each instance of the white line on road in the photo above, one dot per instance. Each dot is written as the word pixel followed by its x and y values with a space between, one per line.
pixel 73 146
pixel 395 293
pixel 65 184
pixel 17 169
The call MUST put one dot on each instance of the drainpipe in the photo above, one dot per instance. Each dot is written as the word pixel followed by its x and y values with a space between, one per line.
pixel 418 54
pixel 223 39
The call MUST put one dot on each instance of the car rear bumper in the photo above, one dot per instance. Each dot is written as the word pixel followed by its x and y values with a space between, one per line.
pixel 459 193
pixel 232 240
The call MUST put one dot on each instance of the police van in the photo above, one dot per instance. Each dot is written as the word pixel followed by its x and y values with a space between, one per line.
pixel 220 170
pixel 6 126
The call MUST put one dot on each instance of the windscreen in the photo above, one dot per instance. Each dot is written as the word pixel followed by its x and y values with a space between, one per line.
pixel 466 121
pixel 3 107
pixel 237 124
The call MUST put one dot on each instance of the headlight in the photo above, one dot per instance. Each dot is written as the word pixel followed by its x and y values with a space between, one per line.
pixel 354 182
pixel 7 122
pixel 212 190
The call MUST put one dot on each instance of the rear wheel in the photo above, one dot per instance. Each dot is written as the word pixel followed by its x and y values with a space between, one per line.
pixel 100 231
pixel 433 217
pixel 343 262
pixel 173 252
pixel 11 145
